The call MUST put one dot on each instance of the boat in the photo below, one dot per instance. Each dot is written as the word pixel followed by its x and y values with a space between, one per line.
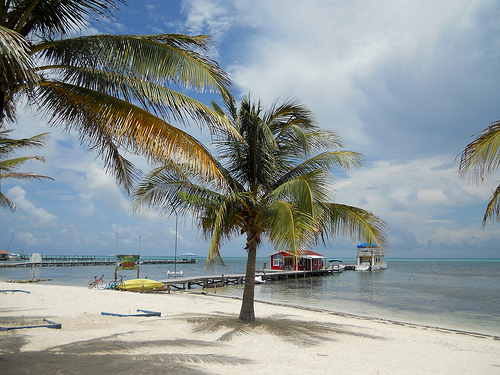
pixel 142 284
pixel 260 280
pixel 336 265
pixel 369 257
pixel 8 255
pixel 175 273
pixel 14 256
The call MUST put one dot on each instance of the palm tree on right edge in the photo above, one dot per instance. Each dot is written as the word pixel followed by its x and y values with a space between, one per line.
pixel 276 185
pixel 479 160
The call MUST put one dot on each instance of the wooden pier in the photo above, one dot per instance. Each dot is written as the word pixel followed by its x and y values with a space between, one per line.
pixel 223 280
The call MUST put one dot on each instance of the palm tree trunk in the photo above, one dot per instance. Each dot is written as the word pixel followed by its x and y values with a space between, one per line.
pixel 247 314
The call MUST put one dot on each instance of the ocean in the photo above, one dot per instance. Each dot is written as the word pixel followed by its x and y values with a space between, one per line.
pixel 454 294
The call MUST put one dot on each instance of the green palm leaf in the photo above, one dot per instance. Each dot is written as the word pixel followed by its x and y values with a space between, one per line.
pixel 157 99
pixel 481 157
pixel 101 119
pixel 289 227
pixel 115 90
pixel 8 167
pixel 16 69
pixel 49 17
pixel 352 222
pixel 160 59
pixel 493 208
pixel 479 160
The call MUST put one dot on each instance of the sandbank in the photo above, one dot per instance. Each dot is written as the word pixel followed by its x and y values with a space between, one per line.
pixel 200 334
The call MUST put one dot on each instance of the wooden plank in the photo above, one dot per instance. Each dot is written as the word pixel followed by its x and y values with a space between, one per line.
pixel 144 313
pixel 49 325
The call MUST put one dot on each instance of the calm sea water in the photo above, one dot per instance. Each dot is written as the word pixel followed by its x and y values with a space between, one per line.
pixel 456 294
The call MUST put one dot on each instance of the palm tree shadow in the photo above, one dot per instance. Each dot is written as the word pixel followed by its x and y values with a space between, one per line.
pixel 111 354
pixel 302 333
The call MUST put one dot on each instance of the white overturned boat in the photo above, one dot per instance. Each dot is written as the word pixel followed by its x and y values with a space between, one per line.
pixel 260 280
pixel 175 273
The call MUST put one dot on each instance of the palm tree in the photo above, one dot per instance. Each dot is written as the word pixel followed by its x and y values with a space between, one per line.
pixel 114 90
pixel 9 166
pixel 479 160
pixel 276 185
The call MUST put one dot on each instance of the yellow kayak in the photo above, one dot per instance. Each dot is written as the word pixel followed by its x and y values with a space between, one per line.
pixel 141 284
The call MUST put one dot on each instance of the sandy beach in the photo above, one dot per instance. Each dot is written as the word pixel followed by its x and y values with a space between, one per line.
pixel 200 334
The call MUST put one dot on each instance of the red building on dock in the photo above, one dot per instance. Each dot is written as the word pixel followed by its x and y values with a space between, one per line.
pixel 305 260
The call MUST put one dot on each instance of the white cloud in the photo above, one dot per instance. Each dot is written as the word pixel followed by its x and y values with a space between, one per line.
pixel 103 185
pixel 40 217
pixel 424 201
pixel 381 73
pixel 404 82
pixel 211 17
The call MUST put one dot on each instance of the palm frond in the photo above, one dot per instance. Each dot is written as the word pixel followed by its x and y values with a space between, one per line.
pixel 284 116
pixel 288 227
pixel 161 59
pixel 7 203
pixel 173 188
pixel 23 176
pixel 160 188
pixel 99 118
pixel 50 17
pixel 298 192
pixel 481 157
pixel 8 166
pixel 324 162
pixel 16 64
pixel 352 222
pixel 157 99
pixel 493 208
pixel 13 164
pixel 124 172
pixel 16 70
pixel 216 233
pixel 9 145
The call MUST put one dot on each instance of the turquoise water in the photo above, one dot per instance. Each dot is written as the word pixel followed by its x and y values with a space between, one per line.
pixel 455 294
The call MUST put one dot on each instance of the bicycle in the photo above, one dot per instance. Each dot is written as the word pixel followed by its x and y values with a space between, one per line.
pixel 118 284
pixel 97 283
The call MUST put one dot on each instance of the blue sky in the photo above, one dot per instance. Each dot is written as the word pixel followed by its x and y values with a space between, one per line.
pixel 405 83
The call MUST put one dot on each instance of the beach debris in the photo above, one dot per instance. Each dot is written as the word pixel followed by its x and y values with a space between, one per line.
pixel 144 313
pixel 49 324
pixel 14 291
pixel 28 281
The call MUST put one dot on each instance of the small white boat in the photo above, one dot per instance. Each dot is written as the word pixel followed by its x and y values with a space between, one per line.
pixel 13 256
pixel 175 273
pixel 336 265
pixel 260 280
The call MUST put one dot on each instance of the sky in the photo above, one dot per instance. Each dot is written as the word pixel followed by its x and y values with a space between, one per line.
pixel 406 83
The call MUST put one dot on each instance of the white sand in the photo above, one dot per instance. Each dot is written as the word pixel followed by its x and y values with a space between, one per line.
pixel 200 334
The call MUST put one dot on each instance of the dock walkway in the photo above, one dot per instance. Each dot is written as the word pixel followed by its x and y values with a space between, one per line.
pixel 222 280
